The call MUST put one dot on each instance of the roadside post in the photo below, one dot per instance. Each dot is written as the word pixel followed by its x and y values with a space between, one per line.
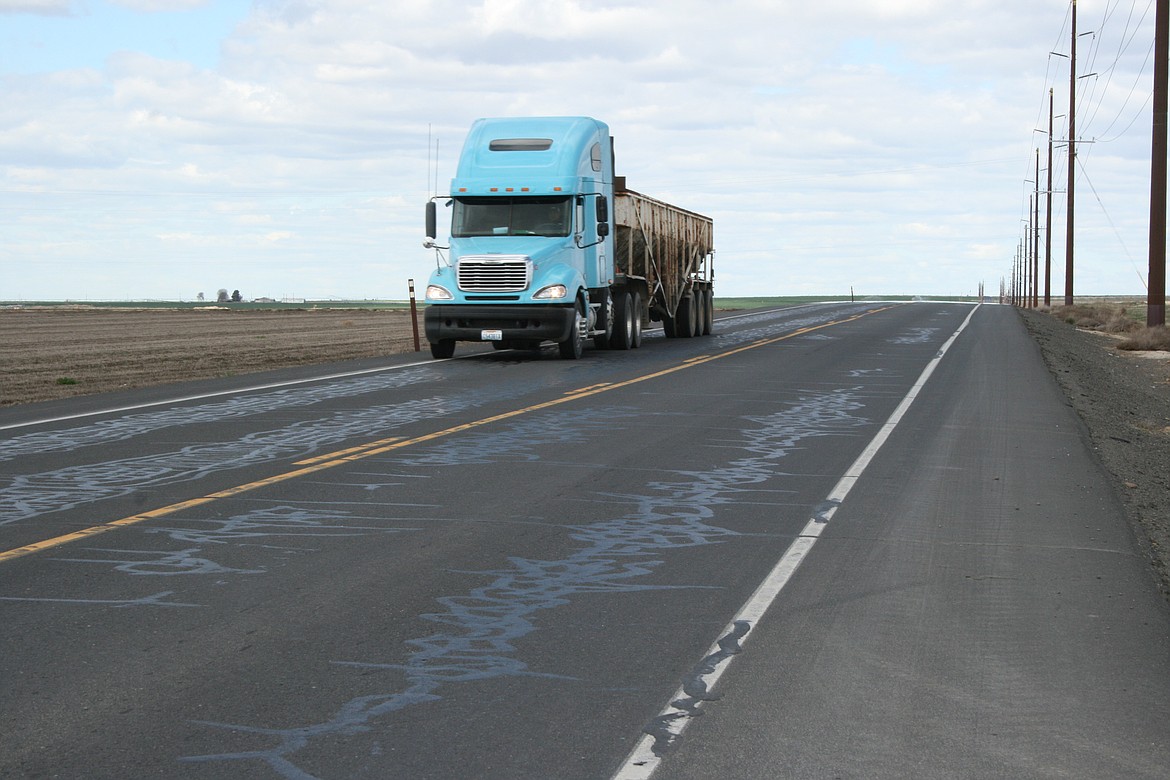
pixel 414 317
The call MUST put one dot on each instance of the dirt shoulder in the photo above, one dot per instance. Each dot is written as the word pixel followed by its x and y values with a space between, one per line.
pixel 1123 398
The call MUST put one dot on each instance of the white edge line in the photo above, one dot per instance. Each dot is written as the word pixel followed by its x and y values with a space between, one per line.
pixel 643 760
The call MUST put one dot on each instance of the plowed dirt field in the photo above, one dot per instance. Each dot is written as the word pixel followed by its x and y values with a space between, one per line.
pixel 59 352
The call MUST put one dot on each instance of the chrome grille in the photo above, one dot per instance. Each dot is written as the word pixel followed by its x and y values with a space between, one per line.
pixel 494 274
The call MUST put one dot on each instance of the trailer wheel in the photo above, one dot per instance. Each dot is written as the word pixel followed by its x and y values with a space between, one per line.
pixel 636 308
pixel 709 313
pixel 684 318
pixel 443 349
pixel 623 323
pixel 700 311
pixel 573 347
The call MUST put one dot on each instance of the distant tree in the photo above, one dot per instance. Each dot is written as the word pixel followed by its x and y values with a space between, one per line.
pixel 236 297
pixel 199 297
pixel 221 296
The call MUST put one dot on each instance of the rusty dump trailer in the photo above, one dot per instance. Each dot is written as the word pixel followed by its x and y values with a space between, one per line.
pixel 547 244
pixel 666 254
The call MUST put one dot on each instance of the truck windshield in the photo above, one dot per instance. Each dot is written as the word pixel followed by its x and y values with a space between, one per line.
pixel 506 216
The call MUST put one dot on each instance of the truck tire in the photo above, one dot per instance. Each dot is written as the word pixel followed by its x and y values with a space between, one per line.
pixel 709 313
pixel 700 311
pixel 622 336
pixel 574 346
pixel 684 318
pixel 605 314
pixel 441 350
pixel 636 304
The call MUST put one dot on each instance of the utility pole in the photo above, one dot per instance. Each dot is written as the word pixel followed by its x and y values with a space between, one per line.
pixel 1156 297
pixel 1011 286
pixel 1036 238
pixel 1048 215
pixel 1017 276
pixel 1072 159
pixel 1028 259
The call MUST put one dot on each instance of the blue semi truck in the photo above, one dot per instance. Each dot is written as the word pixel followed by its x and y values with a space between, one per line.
pixel 548 245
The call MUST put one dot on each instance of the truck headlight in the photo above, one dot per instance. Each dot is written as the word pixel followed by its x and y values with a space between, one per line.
pixel 553 291
pixel 437 293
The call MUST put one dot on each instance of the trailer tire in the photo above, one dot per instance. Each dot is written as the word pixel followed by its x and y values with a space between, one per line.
pixel 636 305
pixel 442 349
pixel 574 346
pixel 700 311
pixel 622 336
pixel 709 313
pixel 668 326
pixel 684 318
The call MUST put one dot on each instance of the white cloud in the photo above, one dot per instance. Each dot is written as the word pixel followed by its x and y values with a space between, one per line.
pixel 157 6
pixel 37 7
pixel 882 143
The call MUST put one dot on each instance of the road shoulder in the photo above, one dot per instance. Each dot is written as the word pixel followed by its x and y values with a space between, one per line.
pixel 1124 402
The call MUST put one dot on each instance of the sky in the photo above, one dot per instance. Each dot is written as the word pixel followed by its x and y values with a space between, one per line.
pixel 159 149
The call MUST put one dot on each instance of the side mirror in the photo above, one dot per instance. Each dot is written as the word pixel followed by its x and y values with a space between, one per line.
pixel 602 209
pixel 602 216
pixel 432 219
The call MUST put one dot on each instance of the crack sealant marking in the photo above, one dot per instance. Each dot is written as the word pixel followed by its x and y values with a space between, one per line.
pixel 664 730
pixel 155 600
pixel 480 628
pixel 101 433
pixel 22 506
pixel 423 365
pixel 162 562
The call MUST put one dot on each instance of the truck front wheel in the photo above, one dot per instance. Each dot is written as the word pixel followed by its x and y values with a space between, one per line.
pixel 441 350
pixel 574 346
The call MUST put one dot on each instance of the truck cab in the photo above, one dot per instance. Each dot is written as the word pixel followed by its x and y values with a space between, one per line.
pixel 531 254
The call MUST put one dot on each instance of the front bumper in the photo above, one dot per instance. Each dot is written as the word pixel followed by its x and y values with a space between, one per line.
pixel 467 322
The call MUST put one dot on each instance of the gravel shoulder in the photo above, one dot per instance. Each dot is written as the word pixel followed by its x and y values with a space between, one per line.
pixel 1123 399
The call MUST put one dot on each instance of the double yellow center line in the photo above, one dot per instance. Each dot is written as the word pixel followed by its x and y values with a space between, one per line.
pixel 342 457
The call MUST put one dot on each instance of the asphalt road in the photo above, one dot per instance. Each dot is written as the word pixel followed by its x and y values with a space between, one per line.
pixel 827 541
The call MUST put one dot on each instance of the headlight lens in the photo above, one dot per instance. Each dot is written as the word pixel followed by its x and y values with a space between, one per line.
pixel 553 291
pixel 437 293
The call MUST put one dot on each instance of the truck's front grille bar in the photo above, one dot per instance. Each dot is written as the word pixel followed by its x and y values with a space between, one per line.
pixel 494 274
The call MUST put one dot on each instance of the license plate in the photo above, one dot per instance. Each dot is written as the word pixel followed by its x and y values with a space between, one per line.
pixel 491 335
